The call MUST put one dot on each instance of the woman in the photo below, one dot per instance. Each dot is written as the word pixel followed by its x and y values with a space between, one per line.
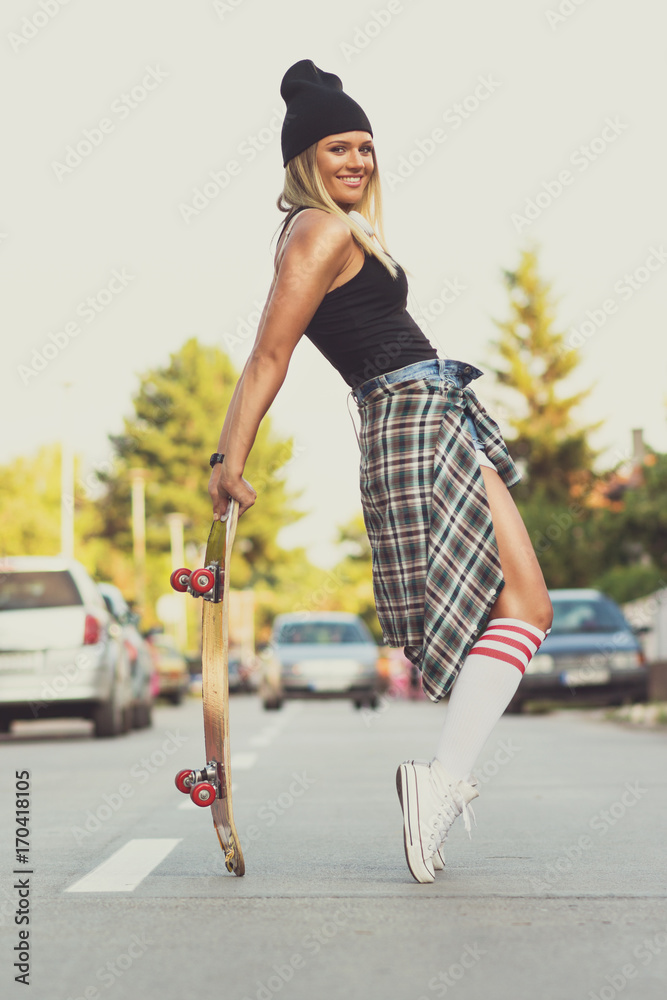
pixel 455 577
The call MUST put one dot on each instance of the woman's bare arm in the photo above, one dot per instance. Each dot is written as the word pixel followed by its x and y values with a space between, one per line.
pixel 224 434
pixel 319 248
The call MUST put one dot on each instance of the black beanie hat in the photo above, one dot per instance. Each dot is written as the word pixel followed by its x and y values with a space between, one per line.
pixel 316 106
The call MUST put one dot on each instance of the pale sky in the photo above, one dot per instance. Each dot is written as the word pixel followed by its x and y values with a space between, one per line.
pixel 476 110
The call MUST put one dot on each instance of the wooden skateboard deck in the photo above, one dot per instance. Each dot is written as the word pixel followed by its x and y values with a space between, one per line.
pixel 211 785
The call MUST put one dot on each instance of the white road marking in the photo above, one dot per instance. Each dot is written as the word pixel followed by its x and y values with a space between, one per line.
pixel 125 869
pixel 243 761
pixel 267 735
pixel 262 740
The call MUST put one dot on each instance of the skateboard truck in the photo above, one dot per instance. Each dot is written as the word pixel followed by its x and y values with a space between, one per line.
pixel 203 786
pixel 206 582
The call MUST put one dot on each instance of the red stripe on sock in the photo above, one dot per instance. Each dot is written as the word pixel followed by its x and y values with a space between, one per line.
pixel 515 628
pixel 516 643
pixel 498 654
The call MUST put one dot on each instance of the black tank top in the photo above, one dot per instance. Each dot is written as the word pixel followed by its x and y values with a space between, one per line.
pixel 362 327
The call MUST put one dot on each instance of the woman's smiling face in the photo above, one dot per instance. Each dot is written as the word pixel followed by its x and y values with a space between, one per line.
pixel 345 162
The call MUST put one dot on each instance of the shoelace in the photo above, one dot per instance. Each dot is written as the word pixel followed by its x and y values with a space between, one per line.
pixel 448 812
pixel 466 809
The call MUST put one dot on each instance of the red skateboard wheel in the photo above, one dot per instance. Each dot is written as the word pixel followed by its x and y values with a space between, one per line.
pixel 179 580
pixel 202 580
pixel 203 794
pixel 180 781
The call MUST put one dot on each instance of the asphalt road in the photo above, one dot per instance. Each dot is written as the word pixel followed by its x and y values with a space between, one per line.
pixel 560 893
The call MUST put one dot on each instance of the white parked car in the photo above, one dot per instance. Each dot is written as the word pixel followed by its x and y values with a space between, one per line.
pixel 328 654
pixel 61 653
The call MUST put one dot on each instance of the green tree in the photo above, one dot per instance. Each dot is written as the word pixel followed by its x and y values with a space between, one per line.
pixel 565 536
pixel 178 412
pixel 30 513
pixel 635 535
pixel 30 504
pixel 355 573
pixel 552 449
pixel 644 516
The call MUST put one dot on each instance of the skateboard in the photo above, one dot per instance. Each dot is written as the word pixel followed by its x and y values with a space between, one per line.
pixel 211 785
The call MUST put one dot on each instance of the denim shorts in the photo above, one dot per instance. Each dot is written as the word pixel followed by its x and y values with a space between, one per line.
pixel 456 373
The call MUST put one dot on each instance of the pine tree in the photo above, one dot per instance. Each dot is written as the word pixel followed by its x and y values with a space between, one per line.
pixel 553 451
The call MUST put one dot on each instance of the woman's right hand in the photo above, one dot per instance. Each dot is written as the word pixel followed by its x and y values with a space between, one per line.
pixel 222 486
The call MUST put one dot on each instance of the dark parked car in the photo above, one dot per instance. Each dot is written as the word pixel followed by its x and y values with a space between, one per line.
pixel 591 656
pixel 321 655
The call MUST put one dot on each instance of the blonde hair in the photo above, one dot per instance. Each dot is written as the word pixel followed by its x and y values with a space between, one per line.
pixel 304 188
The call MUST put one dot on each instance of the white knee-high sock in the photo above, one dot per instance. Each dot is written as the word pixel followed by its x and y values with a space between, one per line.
pixel 484 688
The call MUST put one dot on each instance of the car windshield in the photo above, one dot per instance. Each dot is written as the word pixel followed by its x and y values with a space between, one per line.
pixel 45 589
pixel 577 616
pixel 320 633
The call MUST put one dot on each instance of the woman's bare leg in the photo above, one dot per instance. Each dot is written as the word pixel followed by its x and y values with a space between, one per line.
pixel 484 687
pixel 493 669
pixel 524 595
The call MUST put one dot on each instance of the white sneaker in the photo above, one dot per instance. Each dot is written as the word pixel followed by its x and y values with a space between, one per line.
pixel 438 858
pixel 431 800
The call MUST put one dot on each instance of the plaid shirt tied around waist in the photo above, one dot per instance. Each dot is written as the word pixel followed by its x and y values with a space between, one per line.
pixel 436 570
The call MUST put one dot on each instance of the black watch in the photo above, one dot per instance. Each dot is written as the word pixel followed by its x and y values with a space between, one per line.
pixel 215 458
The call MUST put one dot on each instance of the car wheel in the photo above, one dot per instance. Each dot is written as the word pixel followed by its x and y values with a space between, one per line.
pixel 5 724
pixel 272 704
pixel 514 708
pixel 109 717
pixel 372 701
pixel 142 715
pixel 176 697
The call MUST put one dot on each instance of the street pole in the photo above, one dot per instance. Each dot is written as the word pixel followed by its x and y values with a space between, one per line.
pixel 138 482
pixel 66 478
pixel 176 522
